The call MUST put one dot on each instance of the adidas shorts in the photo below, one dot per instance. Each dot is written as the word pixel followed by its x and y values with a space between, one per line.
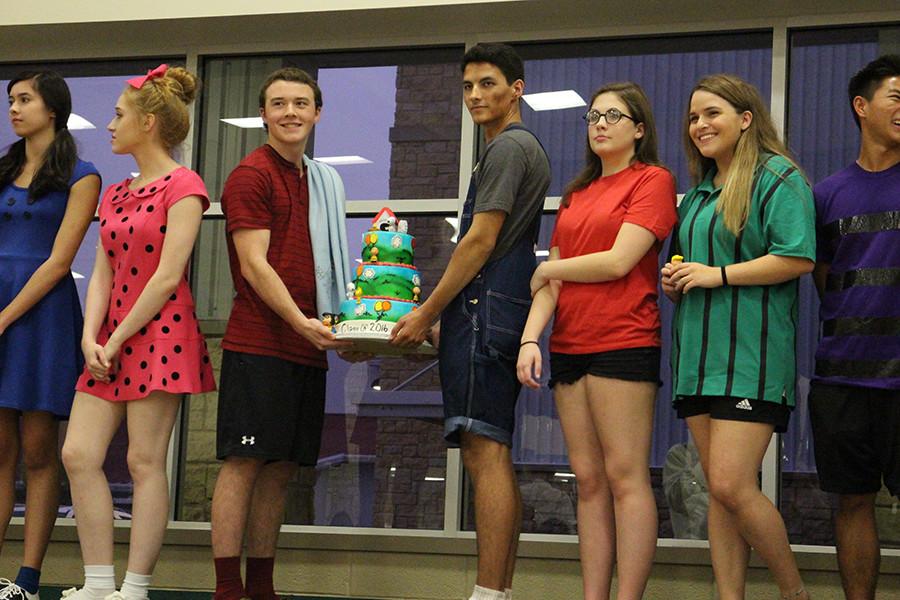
pixel 270 408
pixel 733 408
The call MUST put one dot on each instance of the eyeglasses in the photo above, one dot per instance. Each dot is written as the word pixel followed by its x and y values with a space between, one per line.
pixel 612 116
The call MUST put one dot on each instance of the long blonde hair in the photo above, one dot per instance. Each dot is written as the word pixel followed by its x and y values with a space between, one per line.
pixel 759 138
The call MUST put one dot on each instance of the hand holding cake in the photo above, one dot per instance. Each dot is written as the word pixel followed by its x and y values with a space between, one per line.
pixel 386 289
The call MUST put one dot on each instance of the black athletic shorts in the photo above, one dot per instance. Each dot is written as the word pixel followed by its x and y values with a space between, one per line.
pixel 733 408
pixel 270 408
pixel 856 432
pixel 629 364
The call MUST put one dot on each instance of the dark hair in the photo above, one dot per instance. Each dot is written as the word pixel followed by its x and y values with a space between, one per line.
pixel 55 170
pixel 501 56
pixel 870 77
pixel 645 150
pixel 290 74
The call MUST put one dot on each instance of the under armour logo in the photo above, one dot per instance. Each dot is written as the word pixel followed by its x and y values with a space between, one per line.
pixel 248 440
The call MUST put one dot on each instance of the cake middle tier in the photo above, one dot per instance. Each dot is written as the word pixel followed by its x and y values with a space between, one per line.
pixel 381 280
pixel 373 309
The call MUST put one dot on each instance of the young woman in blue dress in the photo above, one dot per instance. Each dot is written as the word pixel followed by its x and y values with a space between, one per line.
pixel 47 200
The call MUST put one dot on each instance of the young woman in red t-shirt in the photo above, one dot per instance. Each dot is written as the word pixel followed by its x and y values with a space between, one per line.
pixel 601 283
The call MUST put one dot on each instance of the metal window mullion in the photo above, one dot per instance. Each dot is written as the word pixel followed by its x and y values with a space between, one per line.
pixel 771 466
pixel 453 493
pixel 192 64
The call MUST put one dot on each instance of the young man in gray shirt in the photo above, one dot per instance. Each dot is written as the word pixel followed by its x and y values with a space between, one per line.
pixel 483 300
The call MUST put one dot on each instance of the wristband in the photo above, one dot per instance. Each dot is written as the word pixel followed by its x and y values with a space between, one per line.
pixel 529 342
pixel 724 277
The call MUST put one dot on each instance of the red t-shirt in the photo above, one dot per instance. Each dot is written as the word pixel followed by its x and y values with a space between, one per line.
pixel 265 191
pixel 619 314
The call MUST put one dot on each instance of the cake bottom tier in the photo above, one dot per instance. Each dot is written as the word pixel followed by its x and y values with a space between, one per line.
pixel 369 323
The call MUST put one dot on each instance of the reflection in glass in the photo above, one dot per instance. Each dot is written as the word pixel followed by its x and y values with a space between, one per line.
pixel 390 123
pixel 383 458
pixel 547 484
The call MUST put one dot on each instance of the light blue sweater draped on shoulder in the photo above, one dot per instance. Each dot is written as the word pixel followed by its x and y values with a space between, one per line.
pixel 328 235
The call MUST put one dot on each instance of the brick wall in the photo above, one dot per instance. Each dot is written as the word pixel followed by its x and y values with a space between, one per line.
pixel 406 451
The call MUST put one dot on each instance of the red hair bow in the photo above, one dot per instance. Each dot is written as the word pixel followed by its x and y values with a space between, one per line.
pixel 137 82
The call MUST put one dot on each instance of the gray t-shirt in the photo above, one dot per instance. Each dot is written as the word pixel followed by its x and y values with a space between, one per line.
pixel 513 176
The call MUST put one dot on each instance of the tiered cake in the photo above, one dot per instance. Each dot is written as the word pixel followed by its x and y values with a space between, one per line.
pixel 387 284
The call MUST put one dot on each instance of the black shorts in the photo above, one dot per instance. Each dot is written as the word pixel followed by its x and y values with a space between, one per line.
pixel 270 408
pixel 629 364
pixel 856 431
pixel 733 408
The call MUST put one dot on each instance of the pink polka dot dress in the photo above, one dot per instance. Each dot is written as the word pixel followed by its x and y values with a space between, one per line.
pixel 169 352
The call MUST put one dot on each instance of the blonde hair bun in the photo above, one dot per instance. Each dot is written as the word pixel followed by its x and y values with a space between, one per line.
pixel 182 83
pixel 168 97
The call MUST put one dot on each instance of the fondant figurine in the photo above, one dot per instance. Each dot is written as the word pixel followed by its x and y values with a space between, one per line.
pixel 331 320
pixel 385 220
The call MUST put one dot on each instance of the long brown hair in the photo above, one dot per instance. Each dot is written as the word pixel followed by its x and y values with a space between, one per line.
pixel 644 147
pixel 759 139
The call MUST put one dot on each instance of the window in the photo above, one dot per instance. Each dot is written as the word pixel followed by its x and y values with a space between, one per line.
pixel 95 88
pixel 822 133
pixel 667 69
pixel 390 125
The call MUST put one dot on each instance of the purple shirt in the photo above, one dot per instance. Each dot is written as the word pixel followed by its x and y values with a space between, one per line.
pixel 858 231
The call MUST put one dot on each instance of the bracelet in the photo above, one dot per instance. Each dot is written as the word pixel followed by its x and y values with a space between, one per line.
pixel 724 276
pixel 529 342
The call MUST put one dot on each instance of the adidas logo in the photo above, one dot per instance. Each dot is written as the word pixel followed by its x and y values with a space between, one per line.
pixel 744 405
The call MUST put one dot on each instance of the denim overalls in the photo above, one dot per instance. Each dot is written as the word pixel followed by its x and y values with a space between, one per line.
pixel 480 333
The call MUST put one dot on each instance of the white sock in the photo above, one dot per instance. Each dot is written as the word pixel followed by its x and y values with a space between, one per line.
pixel 136 586
pixel 508 592
pixel 99 581
pixel 483 593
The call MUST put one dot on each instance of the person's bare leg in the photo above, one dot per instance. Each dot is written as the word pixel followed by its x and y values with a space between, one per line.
pixel 623 417
pixel 150 423
pixel 858 549
pixel 231 502
pixel 596 517
pixel 267 508
pixel 40 453
pixel 92 425
pixel 729 551
pixel 736 453
pixel 489 464
pixel 9 457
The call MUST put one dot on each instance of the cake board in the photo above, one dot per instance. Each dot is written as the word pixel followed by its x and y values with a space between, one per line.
pixel 373 337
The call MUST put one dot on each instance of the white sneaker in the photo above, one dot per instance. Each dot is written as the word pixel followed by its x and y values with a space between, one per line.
pixel 75 594
pixel 116 595
pixel 10 591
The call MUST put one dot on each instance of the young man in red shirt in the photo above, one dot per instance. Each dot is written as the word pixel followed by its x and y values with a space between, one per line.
pixel 272 393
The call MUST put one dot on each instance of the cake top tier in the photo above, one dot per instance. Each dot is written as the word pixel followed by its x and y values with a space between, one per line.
pixel 388 247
